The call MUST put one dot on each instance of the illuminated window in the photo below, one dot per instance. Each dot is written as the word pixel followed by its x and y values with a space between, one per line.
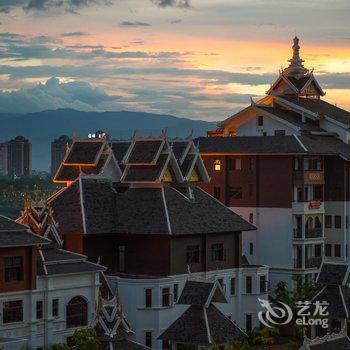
pixel 217 165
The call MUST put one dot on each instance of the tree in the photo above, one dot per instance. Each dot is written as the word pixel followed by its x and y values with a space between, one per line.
pixel 264 336
pixel 60 346
pixel 85 339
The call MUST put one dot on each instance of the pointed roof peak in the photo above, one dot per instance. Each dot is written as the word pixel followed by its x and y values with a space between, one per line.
pixel 296 67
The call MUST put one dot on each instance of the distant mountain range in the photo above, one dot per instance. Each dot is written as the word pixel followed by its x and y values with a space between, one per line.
pixel 42 127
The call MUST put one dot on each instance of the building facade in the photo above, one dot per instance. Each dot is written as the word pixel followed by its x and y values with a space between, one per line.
pixel 19 155
pixel 135 207
pixel 283 164
pixel 3 159
pixel 58 150
pixel 46 293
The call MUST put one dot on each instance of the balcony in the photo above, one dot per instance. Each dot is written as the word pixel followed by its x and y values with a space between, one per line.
pixel 314 233
pixel 309 177
pixel 313 262
pixel 314 207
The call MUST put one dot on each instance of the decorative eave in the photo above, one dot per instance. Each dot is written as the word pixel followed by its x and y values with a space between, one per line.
pixel 286 80
pixel 312 79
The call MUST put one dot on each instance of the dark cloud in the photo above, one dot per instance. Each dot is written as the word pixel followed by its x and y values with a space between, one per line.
pixel 134 24
pixel 49 5
pixel 172 3
pixel 73 34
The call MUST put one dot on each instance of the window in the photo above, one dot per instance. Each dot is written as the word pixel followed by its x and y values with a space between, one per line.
pixel 251 218
pixel 217 252
pixel 217 165
pixel 260 120
pixel 176 292
pixel 337 221
pixel 328 221
pixel 55 306
pixel 263 284
pixel 77 312
pixel 235 192
pixel 328 249
pixel 165 297
pixel 251 163
pixel 192 254
pixel 13 268
pixel 298 163
pixel 217 192
pixel 251 248
pixel 39 309
pixel 148 339
pixel 148 297
pixel 235 164
pixel 248 284
pixel 280 132
pixel 12 311
pixel 121 258
pixel 337 250
pixel 233 286
pixel 248 322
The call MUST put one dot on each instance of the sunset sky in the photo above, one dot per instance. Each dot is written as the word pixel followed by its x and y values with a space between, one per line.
pixel 199 59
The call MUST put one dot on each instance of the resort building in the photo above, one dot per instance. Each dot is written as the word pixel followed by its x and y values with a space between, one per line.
pixel 46 293
pixel 135 207
pixel 282 163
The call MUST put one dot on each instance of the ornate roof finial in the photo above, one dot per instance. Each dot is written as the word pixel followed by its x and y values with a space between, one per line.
pixel 296 67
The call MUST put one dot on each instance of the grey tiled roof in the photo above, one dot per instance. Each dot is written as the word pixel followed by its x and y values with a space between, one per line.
pixel 53 254
pixel 290 117
pixel 335 344
pixel 20 238
pixel 75 267
pixel 179 148
pixel 67 173
pixel 250 144
pixel 191 327
pixel 144 151
pixel 203 214
pixel 326 145
pixel 332 274
pixel 333 296
pixel 150 173
pixel 197 293
pixel 84 152
pixel 322 108
pixel 119 149
pixel 142 211
pixel 7 224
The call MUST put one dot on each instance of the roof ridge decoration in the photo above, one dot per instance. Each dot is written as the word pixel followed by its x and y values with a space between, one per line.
pixel 327 338
pixel 296 67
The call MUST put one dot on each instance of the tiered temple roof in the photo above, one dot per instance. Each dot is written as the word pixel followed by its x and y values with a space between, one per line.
pixel 202 323
pixel 53 260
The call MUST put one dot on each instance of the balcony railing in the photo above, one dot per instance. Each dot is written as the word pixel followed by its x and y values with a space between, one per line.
pixel 308 206
pixel 314 232
pixel 309 177
pixel 298 263
pixel 313 262
pixel 309 233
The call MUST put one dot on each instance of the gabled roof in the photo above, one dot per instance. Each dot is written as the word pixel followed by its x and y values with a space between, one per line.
pixel 201 325
pixel 145 151
pixel 201 293
pixel 342 343
pixel 7 224
pixel 120 149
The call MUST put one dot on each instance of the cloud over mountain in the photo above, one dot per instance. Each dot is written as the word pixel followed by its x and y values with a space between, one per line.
pixel 53 95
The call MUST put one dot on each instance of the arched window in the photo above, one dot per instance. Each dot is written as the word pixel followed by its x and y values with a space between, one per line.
pixel 77 312
pixel 318 223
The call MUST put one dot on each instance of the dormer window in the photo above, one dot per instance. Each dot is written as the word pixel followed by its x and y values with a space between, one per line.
pixel 217 165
